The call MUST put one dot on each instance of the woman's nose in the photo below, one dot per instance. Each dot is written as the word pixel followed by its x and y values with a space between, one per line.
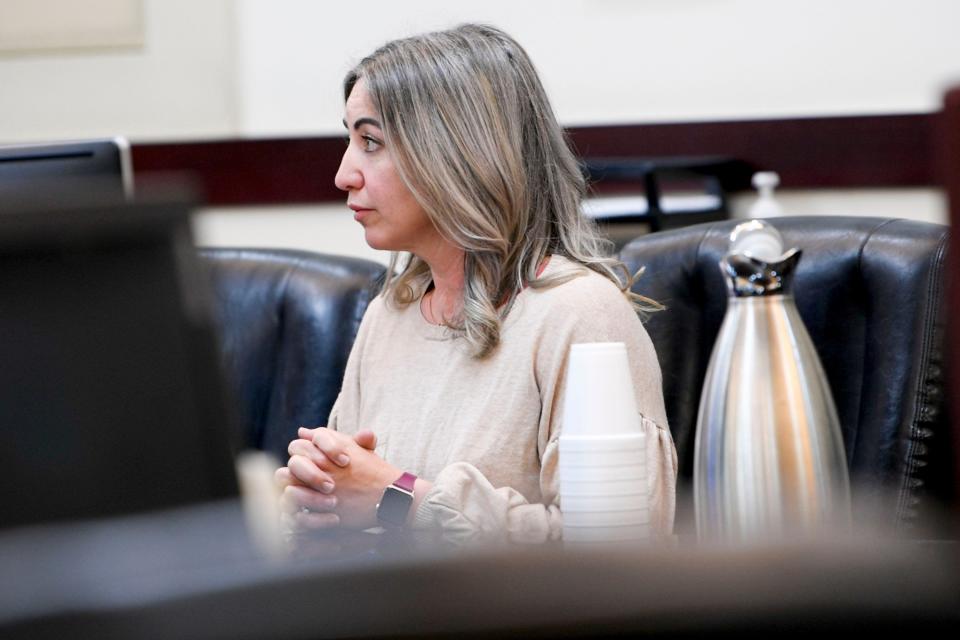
pixel 348 176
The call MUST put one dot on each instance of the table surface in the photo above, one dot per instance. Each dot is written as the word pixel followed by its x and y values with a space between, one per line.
pixel 194 573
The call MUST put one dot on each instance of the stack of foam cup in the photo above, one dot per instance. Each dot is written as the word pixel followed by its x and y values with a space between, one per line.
pixel 603 487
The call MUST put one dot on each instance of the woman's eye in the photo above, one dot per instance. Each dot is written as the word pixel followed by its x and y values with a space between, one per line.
pixel 370 143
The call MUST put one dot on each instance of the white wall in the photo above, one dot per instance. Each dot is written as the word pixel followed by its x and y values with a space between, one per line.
pixel 322 228
pixel 925 205
pixel 221 68
pixel 180 84
pixel 225 68
pixel 608 61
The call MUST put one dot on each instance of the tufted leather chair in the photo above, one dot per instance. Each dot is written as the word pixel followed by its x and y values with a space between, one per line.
pixel 869 291
pixel 287 322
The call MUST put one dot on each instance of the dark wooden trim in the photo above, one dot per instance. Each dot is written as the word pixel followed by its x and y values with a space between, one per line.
pixel 809 153
pixel 950 165
pixel 243 172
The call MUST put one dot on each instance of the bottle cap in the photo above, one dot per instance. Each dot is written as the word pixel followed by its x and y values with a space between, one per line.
pixel 766 180
pixel 765 206
pixel 758 240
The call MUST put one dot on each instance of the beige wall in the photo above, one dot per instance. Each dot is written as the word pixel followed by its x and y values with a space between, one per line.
pixel 180 84
pixel 612 61
pixel 225 68
pixel 322 228
pixel 262 67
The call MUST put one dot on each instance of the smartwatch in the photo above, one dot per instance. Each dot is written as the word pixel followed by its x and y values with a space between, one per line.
pixel 395 502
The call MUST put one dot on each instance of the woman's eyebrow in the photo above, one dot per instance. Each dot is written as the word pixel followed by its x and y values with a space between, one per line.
pixel 362 121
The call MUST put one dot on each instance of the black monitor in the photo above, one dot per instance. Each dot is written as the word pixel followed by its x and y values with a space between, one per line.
pixel 105 164
pixel 111 396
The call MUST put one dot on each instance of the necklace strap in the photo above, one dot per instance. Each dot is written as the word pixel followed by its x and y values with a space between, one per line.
pixel 433 315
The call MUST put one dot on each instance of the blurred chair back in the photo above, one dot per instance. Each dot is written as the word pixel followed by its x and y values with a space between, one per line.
pixel 287 322
pixel 870 292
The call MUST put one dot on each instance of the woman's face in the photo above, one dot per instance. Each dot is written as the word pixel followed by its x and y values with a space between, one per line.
pixel 391 217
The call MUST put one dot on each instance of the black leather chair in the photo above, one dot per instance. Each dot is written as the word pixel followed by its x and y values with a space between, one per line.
pixel 870 292
pixel 287 322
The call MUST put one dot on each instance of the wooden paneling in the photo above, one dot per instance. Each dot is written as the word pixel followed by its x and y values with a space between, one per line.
pixel 241 172
pixel 868 151
pixel 809 153
pixel 950 164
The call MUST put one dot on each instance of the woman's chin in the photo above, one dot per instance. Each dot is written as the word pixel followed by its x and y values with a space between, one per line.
pixel 375 241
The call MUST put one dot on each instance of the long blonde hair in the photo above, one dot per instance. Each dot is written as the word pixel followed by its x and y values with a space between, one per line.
pixel 474 138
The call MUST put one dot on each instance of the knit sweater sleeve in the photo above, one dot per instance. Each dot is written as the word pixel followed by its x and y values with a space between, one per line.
pixel 467 507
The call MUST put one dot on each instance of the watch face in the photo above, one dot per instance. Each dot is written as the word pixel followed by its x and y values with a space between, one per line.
pixel 394 506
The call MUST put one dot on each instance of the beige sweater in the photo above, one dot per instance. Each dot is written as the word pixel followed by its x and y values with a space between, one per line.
pixel 485 432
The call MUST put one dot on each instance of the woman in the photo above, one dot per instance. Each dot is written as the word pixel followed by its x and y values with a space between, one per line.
pixel 456 159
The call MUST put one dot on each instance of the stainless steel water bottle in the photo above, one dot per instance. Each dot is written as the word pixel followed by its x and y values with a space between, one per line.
pixel 769 459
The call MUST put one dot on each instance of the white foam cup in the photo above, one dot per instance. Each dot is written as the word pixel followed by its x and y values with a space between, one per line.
pixel 625 458
pixel 570 486
pixel 625 502
pixel 602 442
pixel 574 474
pixel 618 518
pixel 602 466
pixel 599 397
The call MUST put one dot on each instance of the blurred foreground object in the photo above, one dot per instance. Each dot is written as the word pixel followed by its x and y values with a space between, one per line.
pixel 261 502
pixel 769 459
pixel 191 573
pixel 111 397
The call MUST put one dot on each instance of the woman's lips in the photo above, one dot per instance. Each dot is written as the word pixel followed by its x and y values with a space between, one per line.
pixel 359 212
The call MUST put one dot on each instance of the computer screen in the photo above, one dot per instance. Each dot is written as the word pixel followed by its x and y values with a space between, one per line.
pixel 105 163
pixel 111 396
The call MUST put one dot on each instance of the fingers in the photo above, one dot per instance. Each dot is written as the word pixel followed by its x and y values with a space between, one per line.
pixel 309 474
pixel 302 499
pixel 366 439
pixel 306 501
pixel 283 478
pixel 308 450
pixel 307 433
pixel 304 508
pixel 300 520
pixel 331 443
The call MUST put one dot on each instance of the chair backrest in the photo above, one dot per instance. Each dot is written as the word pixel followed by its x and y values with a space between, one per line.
pixel 870 292
pixel 287 322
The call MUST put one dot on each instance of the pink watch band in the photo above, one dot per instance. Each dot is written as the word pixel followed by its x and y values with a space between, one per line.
pixel 406 482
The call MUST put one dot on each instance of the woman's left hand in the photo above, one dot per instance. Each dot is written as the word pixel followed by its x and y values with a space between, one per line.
pixel 359 475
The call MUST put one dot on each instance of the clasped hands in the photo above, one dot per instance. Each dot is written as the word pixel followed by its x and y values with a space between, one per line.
pixel 333 480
